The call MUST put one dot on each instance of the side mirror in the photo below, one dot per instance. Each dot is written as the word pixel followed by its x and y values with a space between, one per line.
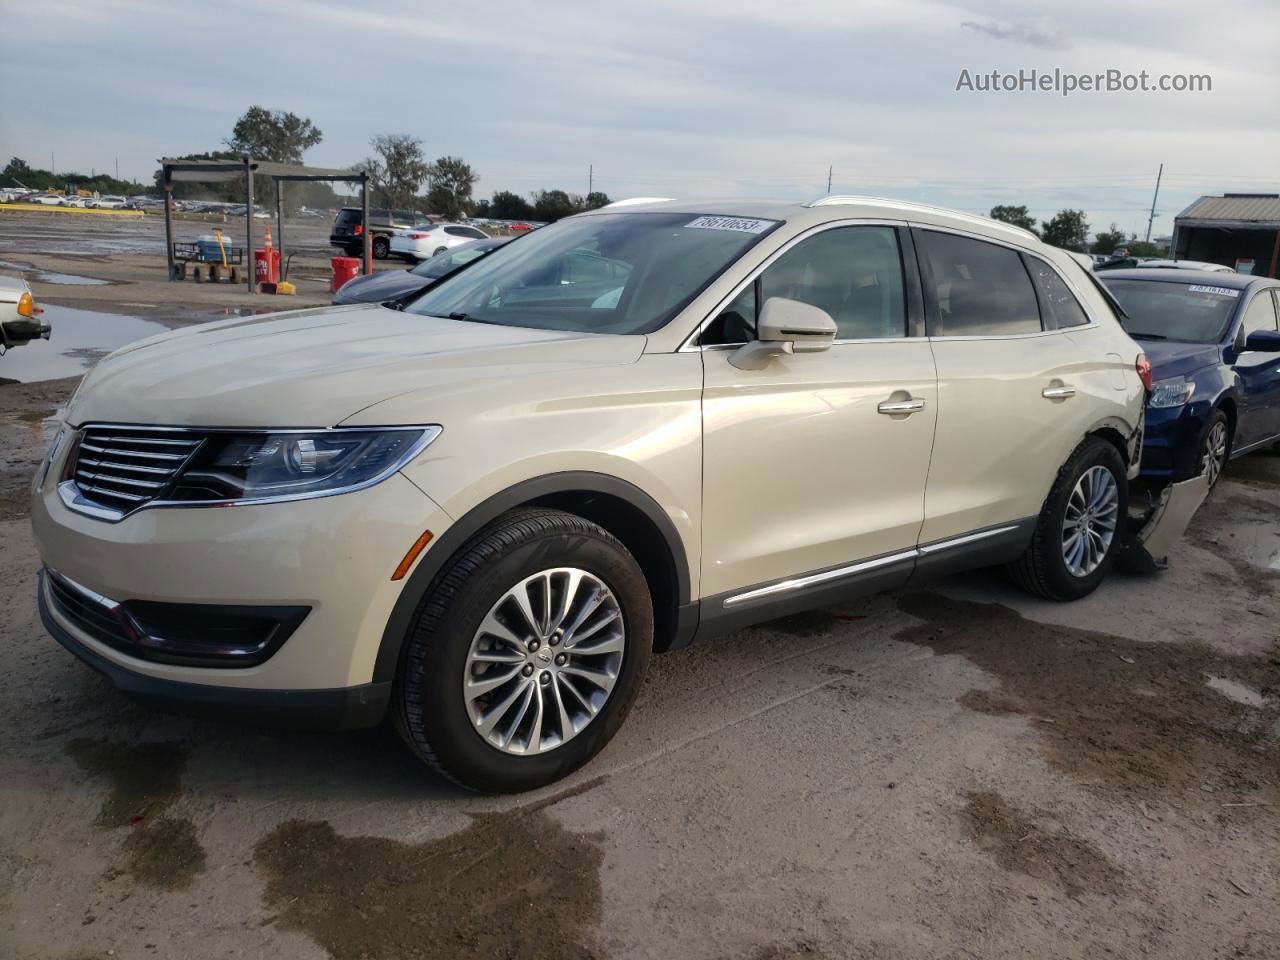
pixel 1263 341
pixel 785 326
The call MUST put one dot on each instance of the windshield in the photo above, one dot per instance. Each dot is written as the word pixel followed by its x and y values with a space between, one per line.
pixel 1187 312
pixel 622 273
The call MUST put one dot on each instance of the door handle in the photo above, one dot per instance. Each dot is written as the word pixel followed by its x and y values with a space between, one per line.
pixel 901 408
pixel 1060 392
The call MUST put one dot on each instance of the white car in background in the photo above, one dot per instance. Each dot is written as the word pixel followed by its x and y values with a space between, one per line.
pixel 76 201
pixel 19 316
pixel 47 199
pixel 109 203
pixel 425 240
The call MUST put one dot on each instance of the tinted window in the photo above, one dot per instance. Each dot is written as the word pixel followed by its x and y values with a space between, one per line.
pixel 736 323
pixel 981 289
pixel 463 232
pixel 1260 314
pixel 603 273
pixel 1187 312
pixel 1058 304
pixel 347 217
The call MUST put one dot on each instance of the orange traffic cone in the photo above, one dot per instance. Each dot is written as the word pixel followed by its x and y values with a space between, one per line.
pixel 266 237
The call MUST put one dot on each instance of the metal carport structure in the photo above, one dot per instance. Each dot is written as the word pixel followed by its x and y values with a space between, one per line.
pixel 218 171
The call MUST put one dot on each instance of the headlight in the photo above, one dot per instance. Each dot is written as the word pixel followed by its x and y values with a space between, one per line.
pixel 1170 393
pixel 236 467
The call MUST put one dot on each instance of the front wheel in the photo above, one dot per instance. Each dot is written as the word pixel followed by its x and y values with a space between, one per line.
pixel 1078 533
pixel 527 654
pixel 381 247
pixel 1215 447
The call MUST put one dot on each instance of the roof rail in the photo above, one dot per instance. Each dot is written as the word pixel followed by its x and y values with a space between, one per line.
pixel 632 201
pixel 841 199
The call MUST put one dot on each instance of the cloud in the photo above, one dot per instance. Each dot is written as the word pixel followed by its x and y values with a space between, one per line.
pixel 1033 33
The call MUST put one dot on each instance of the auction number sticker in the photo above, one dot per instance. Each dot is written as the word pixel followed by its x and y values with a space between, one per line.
pixel 731 223
pixel 1220 291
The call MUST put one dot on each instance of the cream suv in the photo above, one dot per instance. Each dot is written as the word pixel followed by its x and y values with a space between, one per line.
pixel 482 511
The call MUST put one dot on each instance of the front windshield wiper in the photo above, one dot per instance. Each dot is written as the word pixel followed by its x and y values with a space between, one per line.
pixel 1148 336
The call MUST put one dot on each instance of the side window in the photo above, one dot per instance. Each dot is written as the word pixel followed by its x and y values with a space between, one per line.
pixel 981 289
pixel 853 273
pixel 1260 314
pixel 736 323
pixel 1057 303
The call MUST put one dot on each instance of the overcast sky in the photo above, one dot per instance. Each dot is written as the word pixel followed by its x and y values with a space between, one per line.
pixel 674 97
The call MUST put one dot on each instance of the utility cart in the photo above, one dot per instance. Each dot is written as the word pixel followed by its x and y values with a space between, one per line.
pixel 210 258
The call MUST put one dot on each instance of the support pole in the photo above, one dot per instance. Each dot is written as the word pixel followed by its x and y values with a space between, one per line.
pixel 167 196
pixel 250 274
pixel 280 224
pixel 1153 203
pixel 1275 257
pixel 368 233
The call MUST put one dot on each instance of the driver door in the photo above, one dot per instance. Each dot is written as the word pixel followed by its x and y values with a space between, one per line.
pixel 1259 374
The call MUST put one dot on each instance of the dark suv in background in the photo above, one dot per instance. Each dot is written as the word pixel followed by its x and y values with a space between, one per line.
pixel 348 229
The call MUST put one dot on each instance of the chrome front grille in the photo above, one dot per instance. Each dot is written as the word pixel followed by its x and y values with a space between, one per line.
pixel 124 468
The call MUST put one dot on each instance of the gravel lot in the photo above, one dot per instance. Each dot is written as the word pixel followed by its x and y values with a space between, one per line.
pixel 951 772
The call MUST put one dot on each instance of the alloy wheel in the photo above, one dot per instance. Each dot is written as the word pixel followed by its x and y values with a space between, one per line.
pixel 1215 452
pixel 544 661
pixel 1089 525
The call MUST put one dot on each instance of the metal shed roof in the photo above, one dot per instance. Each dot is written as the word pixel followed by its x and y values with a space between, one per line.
pixel 211 171
pixel 1238 207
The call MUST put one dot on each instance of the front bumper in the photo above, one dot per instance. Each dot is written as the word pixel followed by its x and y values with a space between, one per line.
pixel 1171 441
pixel 334 555
pixel 346 708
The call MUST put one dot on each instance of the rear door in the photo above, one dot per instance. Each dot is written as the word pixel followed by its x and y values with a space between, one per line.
pixel 1259 373
pixel 1014 388
pixel 812 483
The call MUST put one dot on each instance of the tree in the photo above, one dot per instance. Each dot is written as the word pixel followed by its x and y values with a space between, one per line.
pixel 451 183
pixel 18 171
pixel 273 135
pixel 551 205
pixel 595 200
pixel 396 169
pixel 506 205
pixel 1108 240
pixel 1018 216
pixel 1068 229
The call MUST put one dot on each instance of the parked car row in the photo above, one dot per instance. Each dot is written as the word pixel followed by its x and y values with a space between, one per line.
pixel 387 285
pixel 479 509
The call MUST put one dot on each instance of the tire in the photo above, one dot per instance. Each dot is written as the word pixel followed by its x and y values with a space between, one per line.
pixel 1044 569
pixel 443 726
pixel 381 247
pixel 1216 434
pixel 438 251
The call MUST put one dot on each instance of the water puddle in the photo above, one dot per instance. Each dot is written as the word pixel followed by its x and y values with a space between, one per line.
pixel 49 276
pixel 1238 692
pixel 80 338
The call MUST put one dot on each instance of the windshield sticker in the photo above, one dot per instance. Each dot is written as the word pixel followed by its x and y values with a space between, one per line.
pixel 731 223
pixel 1220 291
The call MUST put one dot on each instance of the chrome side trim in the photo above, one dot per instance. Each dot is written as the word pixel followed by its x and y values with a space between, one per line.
pixel 864 566
pixel 814 578
pixel 939 546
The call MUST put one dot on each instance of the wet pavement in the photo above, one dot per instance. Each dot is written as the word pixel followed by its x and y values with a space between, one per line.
pixel 79 339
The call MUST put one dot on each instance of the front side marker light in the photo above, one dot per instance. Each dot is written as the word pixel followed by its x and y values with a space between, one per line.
pixel 418 546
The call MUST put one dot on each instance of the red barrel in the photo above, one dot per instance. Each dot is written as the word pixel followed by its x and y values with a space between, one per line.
pixel 344 268
pixel 266 266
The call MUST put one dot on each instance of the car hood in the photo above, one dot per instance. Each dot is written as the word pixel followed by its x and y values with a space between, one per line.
pixel 386 285
pixel 316 368
pixel 1170 358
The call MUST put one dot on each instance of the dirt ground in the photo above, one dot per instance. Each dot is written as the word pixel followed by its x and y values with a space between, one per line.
pixel 951 772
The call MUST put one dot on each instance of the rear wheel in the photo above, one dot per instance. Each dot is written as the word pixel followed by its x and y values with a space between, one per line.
pixel 528 653
pixel 438 251
pixel 381 247
pixel 1078 533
